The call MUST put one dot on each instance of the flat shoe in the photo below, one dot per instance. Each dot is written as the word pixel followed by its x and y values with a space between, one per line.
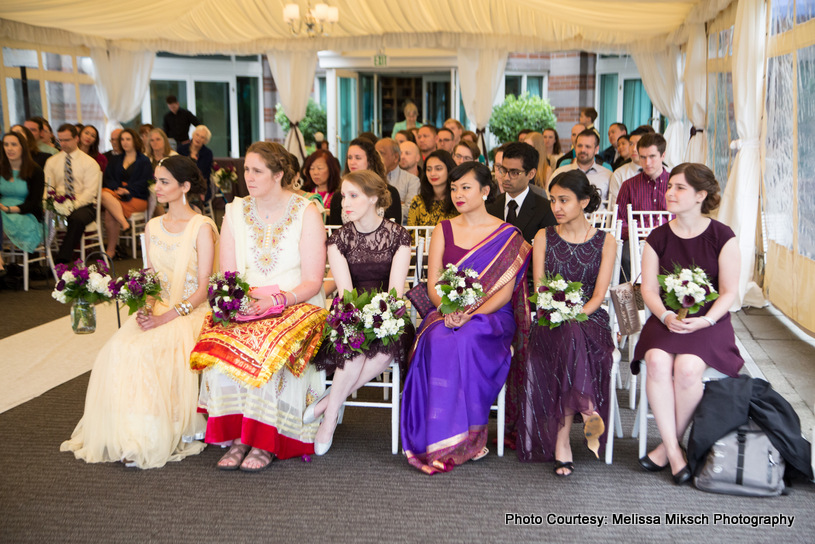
pixel 480 455
pixel 235 454
pixel 593 428
pixel 260 455
pixel 308 414
pixel 568 465
pixel 648 464
pixel 682 477
pixel 322 449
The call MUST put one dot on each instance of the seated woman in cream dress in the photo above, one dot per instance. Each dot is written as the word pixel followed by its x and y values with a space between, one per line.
pixel 141 405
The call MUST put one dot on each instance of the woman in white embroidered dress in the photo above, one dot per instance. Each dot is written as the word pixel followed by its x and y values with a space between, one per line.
pixel 141 405
pixel 258 377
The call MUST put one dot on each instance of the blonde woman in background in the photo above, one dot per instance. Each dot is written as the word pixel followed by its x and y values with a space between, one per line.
pixel 536 140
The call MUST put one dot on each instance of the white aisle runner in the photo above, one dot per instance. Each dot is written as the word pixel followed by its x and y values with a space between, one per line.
pixel 39 359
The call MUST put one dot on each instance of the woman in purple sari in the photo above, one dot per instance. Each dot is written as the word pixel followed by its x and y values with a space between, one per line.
pixel 460 361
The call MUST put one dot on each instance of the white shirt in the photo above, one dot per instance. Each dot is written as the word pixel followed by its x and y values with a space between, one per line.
pixel 599 176
pixel 518 199
pixel 408 186
pixel 626 171
pixel 87 176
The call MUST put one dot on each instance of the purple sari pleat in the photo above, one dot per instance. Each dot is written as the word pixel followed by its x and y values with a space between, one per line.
pixel 455 375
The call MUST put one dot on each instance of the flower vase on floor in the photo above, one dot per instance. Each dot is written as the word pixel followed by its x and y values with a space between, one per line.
pixel 83 317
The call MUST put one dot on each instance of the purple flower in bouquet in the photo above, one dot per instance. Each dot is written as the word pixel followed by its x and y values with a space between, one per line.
pixel 136 287
pixel 227 296
pixel 78 281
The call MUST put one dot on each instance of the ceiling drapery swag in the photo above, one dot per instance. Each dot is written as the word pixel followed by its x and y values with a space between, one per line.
pixel 293 73
pixel 480 74
pixel 739 207
pixel 121 79
pixel 661 73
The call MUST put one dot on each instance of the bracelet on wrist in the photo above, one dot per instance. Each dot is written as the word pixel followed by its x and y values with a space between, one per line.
pixel 295 296
pixel 664 315
pixel 709 320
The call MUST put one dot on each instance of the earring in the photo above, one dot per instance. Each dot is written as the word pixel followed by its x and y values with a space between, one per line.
pixel 380 212
pixel 184 198
pixel 483 197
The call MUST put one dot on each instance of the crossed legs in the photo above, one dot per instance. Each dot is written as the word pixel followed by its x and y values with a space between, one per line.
pixel 115 221
pixel 356 373
pixel 674 387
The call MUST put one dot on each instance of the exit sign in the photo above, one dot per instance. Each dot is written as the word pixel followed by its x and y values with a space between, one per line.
pixel 380 60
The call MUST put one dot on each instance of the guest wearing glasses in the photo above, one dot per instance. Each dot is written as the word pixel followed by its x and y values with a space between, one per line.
pixel 465 151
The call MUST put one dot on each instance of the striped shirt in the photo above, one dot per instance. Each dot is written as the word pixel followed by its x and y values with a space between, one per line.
pixel 644 194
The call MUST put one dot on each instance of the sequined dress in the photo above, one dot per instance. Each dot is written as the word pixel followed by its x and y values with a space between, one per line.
pixel 141 403
pixel 567 368
pixel 369 256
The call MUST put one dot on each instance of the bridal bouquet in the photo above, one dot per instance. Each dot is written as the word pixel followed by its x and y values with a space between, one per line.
pixel 686 290
pixel 223 177
pixel 558 301
pixel 458 289
pixel 227 295
pixel 91 284
pixel 135 287
pixel 355 321
pixel 61 204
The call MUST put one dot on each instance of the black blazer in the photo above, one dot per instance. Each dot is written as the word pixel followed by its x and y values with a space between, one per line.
pixel 394 211
pixel 535 214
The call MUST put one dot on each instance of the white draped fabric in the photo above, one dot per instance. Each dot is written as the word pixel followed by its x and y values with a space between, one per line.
pixel 121 91
pixel 696 92
pixel 661 73
pixel 480 72
pixel 293 73
pixel 739 207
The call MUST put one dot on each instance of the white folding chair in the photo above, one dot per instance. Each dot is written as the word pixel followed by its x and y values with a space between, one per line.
pixel 13 254
pixel 92 236
pixel 500 406
pixel 138 220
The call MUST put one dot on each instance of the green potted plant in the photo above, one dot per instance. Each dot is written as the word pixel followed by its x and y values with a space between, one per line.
pixel 515 114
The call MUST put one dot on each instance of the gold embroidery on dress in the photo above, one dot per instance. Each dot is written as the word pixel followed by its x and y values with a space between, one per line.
pixel 267 238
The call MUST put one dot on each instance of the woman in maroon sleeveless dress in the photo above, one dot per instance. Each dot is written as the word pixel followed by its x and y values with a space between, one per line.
pixel 676 352
pixel 369 253
pixel 568 368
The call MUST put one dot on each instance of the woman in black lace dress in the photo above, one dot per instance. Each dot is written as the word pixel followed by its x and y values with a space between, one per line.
pixel 369 253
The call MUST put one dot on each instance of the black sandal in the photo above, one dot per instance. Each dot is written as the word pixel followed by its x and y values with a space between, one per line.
pixel 568 465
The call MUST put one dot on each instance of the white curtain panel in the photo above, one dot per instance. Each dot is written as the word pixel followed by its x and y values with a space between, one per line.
pixel 739 207
pixel 696 92
pixel 480 72
pixel 293 73
pixel 661 73
pixel 121 79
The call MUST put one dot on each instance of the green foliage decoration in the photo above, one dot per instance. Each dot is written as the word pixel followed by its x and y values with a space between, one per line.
pixel 515 114
pixel 314 121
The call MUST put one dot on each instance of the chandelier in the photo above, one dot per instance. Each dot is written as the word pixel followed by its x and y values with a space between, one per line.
pixel 316 21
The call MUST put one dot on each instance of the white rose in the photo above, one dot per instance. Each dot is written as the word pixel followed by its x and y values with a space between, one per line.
pixel 574 297
pixel 555 317
pixel 68 277
pixel 471 273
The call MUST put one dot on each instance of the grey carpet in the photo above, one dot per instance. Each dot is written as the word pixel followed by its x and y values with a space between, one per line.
pixel 359 492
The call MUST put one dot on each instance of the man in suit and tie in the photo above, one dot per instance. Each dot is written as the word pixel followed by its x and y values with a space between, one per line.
pixel 518 205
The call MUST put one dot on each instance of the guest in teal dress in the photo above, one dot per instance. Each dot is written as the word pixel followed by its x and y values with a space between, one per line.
pixel 21 188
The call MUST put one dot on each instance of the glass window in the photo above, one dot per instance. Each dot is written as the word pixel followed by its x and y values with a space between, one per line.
pixel 366 83
pixel 608 105
pixel 806 10
pixel 534 86
pixel 806 151
pixel 92 113
pixel 16 99
pixel 513 86
pixel 323 91
pixel 462 112
pixel 781 17
pixel 731 115
pixel 438 105
pixel 61 103
pixel 212 105
pixel 712 46
pixel 248 112
pixel 710 129
pixel 159 91
pixel 84 65
pixel 56 62
pixel 637 107
pixel 16 58
pixel 778 179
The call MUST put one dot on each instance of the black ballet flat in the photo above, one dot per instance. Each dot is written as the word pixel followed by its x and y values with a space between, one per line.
pixel 648 464
pixel 682 477
pixel 568 465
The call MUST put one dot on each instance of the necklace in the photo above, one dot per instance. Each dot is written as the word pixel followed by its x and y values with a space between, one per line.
pixel 574 245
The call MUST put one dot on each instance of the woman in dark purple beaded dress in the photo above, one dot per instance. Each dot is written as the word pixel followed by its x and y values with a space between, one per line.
pixel 369 253
pixel 567 368
pixel 677 352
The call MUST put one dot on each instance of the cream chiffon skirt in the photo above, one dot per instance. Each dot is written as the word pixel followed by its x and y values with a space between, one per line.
pixel 142 397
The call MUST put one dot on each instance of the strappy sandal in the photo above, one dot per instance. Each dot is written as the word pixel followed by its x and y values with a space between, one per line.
pixel 480 455
pixel 235 455
pixel 568 465
pixel 265 457
pixel 593 428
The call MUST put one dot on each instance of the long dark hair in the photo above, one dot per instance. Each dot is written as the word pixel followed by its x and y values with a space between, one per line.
pixel 333 171
pixel 426 189
pixel 27 165
pixel 556 147
pixel 138 145
pixel 577 182
pixel 374 160
pixel 93 149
